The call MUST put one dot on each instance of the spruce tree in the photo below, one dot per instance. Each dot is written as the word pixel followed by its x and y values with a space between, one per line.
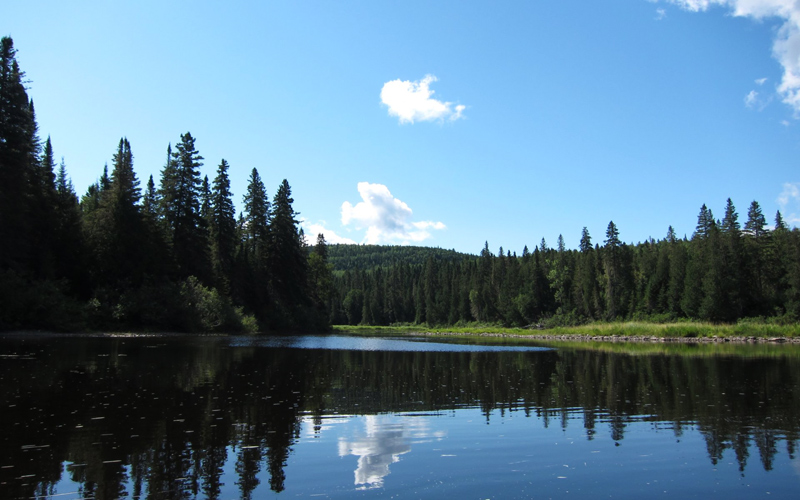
pixel 222 227
pixel 612 270
pixel 256 216
pixel 18 149
pixel 115 229
pixel 180 194
pixel 288 265
pixel 150 200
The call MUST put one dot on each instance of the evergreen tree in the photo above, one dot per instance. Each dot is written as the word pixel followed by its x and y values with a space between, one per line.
pixel 779 223
pixel 114 229
pixel 42 211
pixel 150 200
pixel 18 149
pixel 321 276
pixel 612 270
pixel 256 216
pixel 180 194
pixel 288 265
pixel 586 292
pixel 705 221
pixel 222 227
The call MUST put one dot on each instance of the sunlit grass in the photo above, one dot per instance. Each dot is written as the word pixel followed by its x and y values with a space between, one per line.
pixel 620 329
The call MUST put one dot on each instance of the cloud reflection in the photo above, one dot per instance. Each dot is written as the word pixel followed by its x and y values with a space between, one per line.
pixel 385 438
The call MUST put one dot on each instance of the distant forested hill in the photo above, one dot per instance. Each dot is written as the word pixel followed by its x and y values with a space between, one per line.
pixel 369 257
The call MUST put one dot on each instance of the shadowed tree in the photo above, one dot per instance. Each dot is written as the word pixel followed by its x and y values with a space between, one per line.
pixel 288 264
pixel 222 228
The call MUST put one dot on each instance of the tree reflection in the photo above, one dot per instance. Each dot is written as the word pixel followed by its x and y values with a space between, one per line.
pixel 161 417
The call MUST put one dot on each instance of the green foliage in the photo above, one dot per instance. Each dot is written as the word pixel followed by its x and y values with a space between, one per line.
pixel 368 257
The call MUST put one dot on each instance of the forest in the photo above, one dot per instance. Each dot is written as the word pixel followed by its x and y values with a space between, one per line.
pixel 726 272
pixel 169 257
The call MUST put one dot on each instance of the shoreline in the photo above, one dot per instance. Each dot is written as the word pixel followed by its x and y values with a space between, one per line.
pixel 578 337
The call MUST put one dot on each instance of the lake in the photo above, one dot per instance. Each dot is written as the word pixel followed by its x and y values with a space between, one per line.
pixel 179 417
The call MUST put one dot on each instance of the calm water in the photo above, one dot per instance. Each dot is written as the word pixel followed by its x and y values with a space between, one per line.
pixel 213 417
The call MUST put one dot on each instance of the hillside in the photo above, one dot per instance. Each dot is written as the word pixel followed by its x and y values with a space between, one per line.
pixel 367 257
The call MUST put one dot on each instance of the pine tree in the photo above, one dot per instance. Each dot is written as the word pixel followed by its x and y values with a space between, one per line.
pixel 180 195
pixel 560 277
pixel 612 270
pixel 755 250
pixel 114 229
pixel 69 235
pixel 321 276
pixel 756 223
pixel 586 292
pixel 150 200
pixel 42 211
pixel 18 150
pixel 256 216
pixel 705 221
pixel 779 223
pixel 222 227
pixel 288 265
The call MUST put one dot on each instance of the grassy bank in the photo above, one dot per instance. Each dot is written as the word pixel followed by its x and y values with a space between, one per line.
pixel 633 330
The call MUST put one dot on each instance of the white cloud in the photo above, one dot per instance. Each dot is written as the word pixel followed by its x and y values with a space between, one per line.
pixel 754 100
pixel 411 101
pixel 789 201
pixel 386 219
pixel 313 230
pixel 785 47
pixel 661 14
pixel 761 81
pixel 751 99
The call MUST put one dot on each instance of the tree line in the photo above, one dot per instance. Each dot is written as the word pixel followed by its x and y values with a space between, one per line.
pixel 173 256
pixel 725 272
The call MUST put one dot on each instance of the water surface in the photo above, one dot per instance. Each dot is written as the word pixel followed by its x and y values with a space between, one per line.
pixel 242 417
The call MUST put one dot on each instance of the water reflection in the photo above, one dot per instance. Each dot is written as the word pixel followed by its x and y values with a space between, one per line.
pixel 216 417
pixel 381 443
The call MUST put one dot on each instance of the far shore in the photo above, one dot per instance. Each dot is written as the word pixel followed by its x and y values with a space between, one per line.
pixel 689 332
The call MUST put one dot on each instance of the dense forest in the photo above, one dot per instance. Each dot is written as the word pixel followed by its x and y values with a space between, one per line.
pixel 345 257
pixel 172 256
pixel 725 272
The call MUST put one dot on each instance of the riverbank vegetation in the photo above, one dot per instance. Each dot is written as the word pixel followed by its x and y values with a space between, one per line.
pixel 172 256
pixel 630 329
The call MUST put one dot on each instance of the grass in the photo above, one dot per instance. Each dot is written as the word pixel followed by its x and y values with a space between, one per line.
pixel 621 329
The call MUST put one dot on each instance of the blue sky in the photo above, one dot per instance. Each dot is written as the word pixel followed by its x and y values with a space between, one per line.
pixel 437 123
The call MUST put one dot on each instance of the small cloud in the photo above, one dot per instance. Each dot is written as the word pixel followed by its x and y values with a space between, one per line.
pixel 789 201
pixel 313 230
pixel 411 101
pixel 785 123
pixel 386 219
pixel 761 81
pixel 661 14
pixel 753 100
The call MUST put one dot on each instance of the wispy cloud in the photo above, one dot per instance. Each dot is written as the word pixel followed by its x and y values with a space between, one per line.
pixel 786 45
pixel 789 201
pixel 385 218
pixel 761 81
pixel 411 102
pixel 661 14
pixel 754 100
pixel 751 99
